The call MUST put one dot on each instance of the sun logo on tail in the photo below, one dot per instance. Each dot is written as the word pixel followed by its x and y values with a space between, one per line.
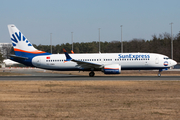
pixel 17 38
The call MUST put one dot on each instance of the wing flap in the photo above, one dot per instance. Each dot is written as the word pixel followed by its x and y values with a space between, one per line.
pixel 87 64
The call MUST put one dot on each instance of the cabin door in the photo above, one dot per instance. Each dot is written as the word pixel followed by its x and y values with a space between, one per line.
pixel 156 60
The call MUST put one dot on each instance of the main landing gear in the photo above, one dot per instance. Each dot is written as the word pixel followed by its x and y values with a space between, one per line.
pixel 91 74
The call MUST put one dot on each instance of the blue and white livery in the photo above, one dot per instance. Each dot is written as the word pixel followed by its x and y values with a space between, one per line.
pixel 108 63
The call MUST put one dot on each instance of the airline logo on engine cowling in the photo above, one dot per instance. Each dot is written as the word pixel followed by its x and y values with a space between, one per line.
pixel 131 56
pixel 18 38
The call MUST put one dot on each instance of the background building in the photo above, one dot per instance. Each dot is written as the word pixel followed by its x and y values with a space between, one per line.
pixel 5 49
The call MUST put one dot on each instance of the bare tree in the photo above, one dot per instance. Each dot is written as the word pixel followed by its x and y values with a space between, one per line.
pixel 5 50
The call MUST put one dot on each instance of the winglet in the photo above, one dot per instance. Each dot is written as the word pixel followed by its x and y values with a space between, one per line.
pixel 64 50
pixel 68 58
pixel 72 51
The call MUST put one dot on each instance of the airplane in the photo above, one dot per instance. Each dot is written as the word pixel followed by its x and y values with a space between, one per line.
pixel 108 63
pixel 9 62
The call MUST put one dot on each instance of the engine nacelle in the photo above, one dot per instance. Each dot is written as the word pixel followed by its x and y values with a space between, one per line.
pixel 112 69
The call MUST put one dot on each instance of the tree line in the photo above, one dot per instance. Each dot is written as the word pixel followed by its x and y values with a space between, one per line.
pixel 158 44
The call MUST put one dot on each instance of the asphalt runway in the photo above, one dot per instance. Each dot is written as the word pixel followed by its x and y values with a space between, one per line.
pixel 87 78
pixel 37 75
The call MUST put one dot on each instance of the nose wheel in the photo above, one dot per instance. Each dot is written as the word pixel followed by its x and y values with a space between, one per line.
pixel 91 74
pixel 159 74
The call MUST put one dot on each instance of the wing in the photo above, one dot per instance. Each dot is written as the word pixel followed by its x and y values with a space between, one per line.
pixel 82 64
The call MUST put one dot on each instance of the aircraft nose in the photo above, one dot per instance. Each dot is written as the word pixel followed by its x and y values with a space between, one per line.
pixel 173 62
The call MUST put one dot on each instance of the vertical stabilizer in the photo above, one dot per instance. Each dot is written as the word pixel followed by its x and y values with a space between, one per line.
pixel 22 47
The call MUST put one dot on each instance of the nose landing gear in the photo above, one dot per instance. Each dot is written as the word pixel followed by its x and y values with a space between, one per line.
pixel 159 74
pixel 160 70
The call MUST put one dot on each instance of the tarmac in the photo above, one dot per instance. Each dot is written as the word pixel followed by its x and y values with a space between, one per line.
pixel 39 74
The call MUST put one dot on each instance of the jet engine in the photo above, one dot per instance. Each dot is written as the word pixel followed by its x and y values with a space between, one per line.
pixel 112 69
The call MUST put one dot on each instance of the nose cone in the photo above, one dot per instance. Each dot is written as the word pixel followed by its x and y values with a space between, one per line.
pixel 173 62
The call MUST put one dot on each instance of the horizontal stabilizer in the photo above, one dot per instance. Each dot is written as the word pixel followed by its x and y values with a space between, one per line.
pixel 18 57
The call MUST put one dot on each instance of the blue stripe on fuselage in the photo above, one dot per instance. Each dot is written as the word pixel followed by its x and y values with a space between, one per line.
pixel 30 56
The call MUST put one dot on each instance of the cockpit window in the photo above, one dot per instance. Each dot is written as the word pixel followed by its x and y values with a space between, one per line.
pixel 166 58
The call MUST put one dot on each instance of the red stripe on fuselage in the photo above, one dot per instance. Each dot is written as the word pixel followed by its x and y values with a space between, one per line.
pixel 112 68
pixel 34 52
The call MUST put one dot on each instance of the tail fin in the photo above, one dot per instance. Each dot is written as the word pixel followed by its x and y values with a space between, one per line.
pixel 22 47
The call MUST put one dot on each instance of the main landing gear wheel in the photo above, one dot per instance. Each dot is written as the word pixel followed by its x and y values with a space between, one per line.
pixel 91 74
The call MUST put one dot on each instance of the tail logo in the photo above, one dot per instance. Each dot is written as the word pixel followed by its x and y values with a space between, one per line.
pixel 17 38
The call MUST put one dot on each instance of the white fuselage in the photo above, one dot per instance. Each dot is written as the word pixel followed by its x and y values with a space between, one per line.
pixel 127 61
